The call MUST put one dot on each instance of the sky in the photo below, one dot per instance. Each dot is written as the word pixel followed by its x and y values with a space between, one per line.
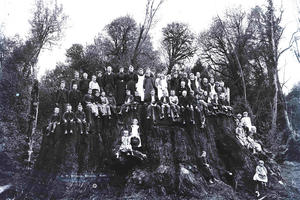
pixel 88 18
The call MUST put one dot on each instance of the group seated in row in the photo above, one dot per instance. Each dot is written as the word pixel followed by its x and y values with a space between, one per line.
pixel 129 89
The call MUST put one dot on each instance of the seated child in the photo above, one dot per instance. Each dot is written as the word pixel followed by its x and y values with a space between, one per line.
pixel 206 168
pixel 212 91
pixel 253 144
pixel 104 105
pixel 185 106
pixel 135 135
pixel 81 119
pixel 68 119
pixel 96 103
pixel 214 106
pixel 165 104
pixel 90 106
pixel 260 176
pixel 125 145
pixel 240 134
pixel 54 121
pixel 152 105
pixel 224 105
pixel 112 102
pixel 174 107
pixel 183 86
pixel 136 100
pixel 238 119
pixel 199 108
pixel 246 122
pixel 128 102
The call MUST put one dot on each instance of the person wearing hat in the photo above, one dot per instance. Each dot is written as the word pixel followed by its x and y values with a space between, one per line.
pixel 260 176
pixel 68 119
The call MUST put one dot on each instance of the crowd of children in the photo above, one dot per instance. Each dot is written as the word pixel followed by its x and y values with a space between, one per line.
pixel 175 96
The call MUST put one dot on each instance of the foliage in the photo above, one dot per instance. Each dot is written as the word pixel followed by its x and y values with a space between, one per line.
pixel 178 42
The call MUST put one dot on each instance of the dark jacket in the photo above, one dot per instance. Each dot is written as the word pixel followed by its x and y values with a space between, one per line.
pixel 84 85
pixel 80 115
pixel 180 89
pixel 164 100
pixel 184 101
pixel 88 98
pixel 68 116
pixel 77 81
pixel 149 99
pixel 74 97
pixel 109 82
pixel 55 118
pixel 62 96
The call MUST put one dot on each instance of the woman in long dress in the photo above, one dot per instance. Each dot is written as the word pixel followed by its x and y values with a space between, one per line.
pixel 140 84
pixel 121 86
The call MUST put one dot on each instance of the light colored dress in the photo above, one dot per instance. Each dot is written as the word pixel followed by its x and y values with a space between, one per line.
pixel 135 133
pixel 246 121
pixel 261 174
pixel 125 146
pixel 94 86
pixel 140 86
pixel 240 133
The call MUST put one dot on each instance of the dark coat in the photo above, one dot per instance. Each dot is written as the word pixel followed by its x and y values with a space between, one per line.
pixel 74 97
pixel 77 81
pixel 120 87
pixel 131 79
pixel 62 96
pixel 68 116
pixel 148 86
pixel 80 115
pixel 84 85
pixel 55 118
pixel 109 83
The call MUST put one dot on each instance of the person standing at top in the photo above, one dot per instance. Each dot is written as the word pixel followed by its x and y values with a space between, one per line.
pixel 148 84
pixel 94 85
pixel 140 84
pixel 76 80
pixel 132 79
pixel 120 86
pixel 109 81
pixel 84 84
pixel 62 97
pixel 74 96
pixel 100 80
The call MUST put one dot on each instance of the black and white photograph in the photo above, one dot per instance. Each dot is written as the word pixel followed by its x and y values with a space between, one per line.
pixel 149 100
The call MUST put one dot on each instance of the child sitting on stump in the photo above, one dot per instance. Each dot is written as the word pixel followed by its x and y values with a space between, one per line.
pixel 125 145
pixel 246 122
pixel 153 104
pixel 128 102
pixel 112 103
pixel 135 135
pixel 206 168
pixel 81 119
pixel 104 105
pixel 54 121
pixel 174 107
pixel 165 104
pixel 68 120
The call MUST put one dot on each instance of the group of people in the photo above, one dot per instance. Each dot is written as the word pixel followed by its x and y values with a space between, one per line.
pixel 176 96
pixel 245 132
